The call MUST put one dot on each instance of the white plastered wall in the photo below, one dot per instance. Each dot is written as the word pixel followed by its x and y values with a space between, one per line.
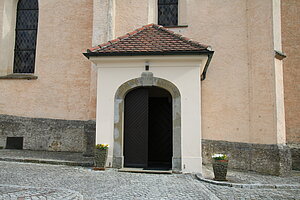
pixel 7 29
pixel 278 73
pixel 182 71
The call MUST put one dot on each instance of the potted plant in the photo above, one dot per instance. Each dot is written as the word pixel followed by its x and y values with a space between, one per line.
pixel 220 164
pixel 100 156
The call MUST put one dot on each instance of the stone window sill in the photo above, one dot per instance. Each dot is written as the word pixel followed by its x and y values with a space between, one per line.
pixel 19 76
pixel 178 26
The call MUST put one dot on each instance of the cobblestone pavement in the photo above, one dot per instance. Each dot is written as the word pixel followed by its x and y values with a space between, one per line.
pixel 227 193
pixel 63 181
pixel 24 193
pixel 235 176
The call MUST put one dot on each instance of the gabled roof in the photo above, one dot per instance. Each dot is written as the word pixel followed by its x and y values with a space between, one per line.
pixel 151 39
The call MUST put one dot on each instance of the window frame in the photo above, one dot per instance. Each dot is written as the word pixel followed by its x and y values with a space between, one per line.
pixel 161 5
pixel 7 42
pixel 182 13
pixel 25 29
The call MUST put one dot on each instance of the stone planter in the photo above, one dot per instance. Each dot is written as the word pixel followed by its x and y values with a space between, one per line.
pixel 100 158
pixel 220 169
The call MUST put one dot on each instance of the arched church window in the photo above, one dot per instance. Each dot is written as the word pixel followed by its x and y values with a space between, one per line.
pixel 168 12
pixel 26 36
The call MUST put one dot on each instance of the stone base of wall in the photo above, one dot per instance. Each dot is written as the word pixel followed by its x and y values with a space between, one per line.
pixel 49 134
pixel 295 150
pixel 262 158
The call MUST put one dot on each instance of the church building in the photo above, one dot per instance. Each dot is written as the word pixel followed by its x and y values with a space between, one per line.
pixel 166 83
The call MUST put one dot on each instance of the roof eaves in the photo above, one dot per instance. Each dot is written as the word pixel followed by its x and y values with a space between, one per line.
pixel 94 54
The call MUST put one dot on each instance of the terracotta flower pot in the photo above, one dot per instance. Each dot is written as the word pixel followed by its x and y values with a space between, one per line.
pixel 220 169
pixel 100 158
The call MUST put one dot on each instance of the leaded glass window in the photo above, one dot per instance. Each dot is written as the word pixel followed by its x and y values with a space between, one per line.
pixel 26 35
pixel 168 12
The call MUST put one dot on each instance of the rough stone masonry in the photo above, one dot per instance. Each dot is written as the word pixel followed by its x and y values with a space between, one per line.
pixel 49 134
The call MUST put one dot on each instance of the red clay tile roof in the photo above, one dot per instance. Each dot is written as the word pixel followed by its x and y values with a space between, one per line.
pixel 148 40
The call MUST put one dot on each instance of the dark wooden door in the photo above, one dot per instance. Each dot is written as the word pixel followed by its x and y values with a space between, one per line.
pixel 148 129
pixel 160 133
pixel 136 128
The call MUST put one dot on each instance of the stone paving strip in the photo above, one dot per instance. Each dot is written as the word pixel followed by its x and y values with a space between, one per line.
pixel 249 186
pixel 46 157
pixel 47 161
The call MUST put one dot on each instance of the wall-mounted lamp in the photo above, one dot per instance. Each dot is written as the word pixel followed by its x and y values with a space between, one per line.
pixel 147 66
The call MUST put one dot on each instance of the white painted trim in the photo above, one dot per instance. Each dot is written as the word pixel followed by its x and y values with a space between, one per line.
pixel 182 13
pixel 103 21
pixel 169 58
pixel 8 36
pixel 154 61
pixel 277 38
pixel 112 18
pixel 152 11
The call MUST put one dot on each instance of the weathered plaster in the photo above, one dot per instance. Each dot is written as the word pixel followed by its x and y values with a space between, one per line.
pixel 261 73
pixel 290 36
pixel 291 70
pixel 239 101
pixel 62 88
pixel 242 93
pixel 130 15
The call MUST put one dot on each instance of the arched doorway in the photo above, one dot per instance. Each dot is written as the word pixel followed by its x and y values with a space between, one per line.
pixel 148 128
pixel 146 80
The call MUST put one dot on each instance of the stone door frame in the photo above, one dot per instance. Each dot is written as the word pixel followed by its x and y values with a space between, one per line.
pixel 146 79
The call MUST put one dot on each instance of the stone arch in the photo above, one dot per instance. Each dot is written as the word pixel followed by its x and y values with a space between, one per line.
pixel 146 79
